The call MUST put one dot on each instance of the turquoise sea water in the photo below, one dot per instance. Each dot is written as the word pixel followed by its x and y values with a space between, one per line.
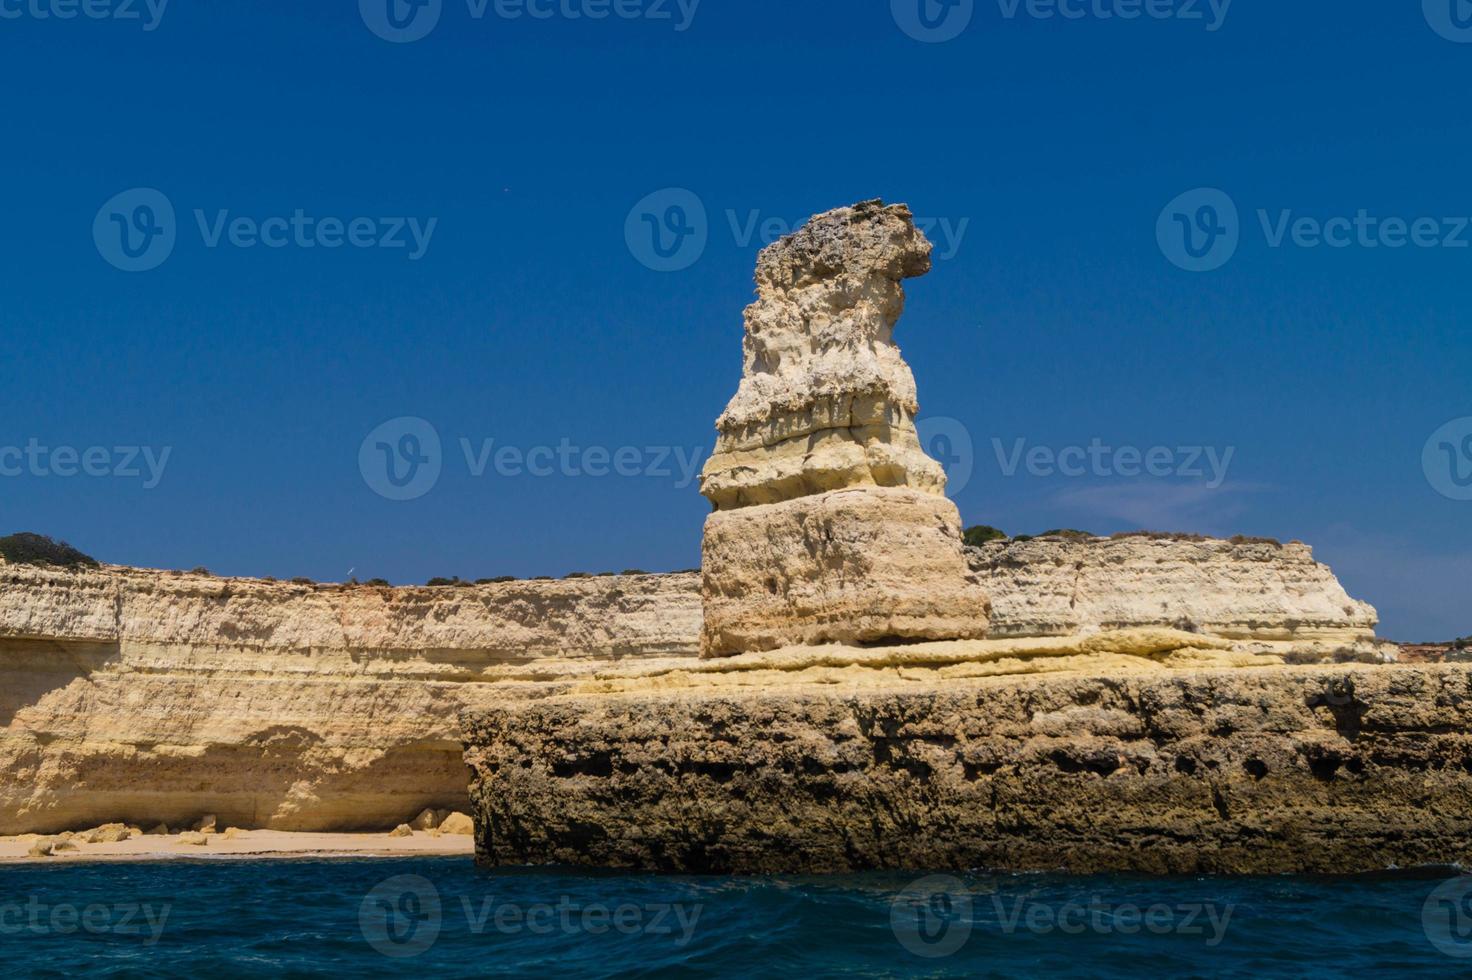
pixel 445 918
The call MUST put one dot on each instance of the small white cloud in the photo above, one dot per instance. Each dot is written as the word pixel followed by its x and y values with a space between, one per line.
pixel 1162 506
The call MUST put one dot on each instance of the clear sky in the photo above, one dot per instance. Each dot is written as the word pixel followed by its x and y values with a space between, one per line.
pixel 502 177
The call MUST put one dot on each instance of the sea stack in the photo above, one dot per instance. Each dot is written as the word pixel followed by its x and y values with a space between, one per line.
pixel 831 523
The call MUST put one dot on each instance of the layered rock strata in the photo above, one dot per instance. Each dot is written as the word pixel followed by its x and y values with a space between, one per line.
pixel 151 697
pixel 1265 596
pixel 1132 751
pixel 830 521
pixel 157 697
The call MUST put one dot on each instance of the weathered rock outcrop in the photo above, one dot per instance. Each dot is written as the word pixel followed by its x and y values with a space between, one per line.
pixel 830 521
pixel 158 697
pixel 150 696
pixel 1269 597
pixel 847 705
pixel 894 761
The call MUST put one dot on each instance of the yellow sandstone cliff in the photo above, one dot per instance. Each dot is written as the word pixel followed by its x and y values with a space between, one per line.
pixel 148 697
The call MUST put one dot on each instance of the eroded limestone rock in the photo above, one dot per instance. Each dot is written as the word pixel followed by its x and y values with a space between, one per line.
pixel 1266 597
pixel 155 697
pixel 1250 769
pixel 109 833
pixel 826 401
pixel 458 824
pixel 830 520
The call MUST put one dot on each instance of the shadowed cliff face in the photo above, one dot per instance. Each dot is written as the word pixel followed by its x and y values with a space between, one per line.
pixel 1250 770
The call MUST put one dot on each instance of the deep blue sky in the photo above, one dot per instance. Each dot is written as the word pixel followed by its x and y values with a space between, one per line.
pixel 528 320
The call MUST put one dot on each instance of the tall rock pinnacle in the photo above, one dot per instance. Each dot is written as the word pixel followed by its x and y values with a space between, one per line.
pixel 826 401
pixel 830 522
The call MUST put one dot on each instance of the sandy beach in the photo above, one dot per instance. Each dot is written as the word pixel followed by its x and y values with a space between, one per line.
pixel 252 844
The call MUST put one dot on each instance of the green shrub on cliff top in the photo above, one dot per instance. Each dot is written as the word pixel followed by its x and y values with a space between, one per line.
pixel 981 534
pixel 37 549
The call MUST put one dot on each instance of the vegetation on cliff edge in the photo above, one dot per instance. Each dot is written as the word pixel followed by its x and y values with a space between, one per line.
pixel 37 549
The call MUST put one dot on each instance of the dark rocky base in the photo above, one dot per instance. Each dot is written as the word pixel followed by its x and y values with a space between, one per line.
pixel 1253 770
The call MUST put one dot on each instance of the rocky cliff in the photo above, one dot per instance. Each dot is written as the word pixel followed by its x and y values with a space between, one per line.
pixel 1270 597
pixel 1141 758
pixel 151 696
pixel 831 523
pixel 146 696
